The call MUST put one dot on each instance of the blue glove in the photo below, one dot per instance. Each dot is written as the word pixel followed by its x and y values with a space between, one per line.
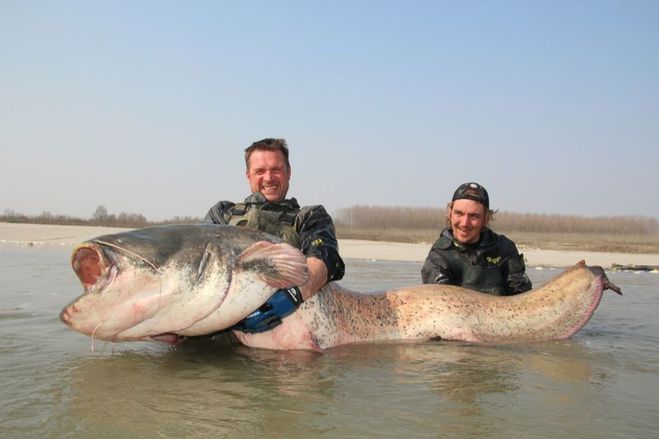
pixel 282 303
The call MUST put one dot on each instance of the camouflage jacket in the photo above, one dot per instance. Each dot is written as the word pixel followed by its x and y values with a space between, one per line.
pixel 314 227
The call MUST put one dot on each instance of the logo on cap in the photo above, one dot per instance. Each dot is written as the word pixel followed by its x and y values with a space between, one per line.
pixel 472 191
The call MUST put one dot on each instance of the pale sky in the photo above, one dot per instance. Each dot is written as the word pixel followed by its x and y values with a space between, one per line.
pixel 146 106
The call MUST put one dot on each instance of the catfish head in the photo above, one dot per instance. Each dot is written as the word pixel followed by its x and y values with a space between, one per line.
pixel 158 283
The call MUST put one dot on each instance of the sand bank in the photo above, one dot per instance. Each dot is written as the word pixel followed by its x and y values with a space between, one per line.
pixel 40 235
pixel 359 249
pixel 49 234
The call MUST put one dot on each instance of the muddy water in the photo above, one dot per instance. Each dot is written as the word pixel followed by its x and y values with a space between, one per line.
pixel 602 383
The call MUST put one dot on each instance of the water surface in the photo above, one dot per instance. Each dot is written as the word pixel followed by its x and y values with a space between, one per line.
pixel 603 382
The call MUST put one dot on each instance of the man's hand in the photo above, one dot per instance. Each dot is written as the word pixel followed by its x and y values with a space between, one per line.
pixel 269 315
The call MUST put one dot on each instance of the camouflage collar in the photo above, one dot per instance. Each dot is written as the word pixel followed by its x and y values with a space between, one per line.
pixel 258 199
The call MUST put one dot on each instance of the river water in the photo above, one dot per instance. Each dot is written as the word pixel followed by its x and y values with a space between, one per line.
pixel 604 382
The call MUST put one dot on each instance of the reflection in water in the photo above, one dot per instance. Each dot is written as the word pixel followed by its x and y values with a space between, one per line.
pixel 198 392
pixel 137 395
pixel 601 383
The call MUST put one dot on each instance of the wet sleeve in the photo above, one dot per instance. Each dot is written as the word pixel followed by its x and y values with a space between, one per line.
pixel 516 281
pixel 435 268
pixel 219 213
pixel 318 239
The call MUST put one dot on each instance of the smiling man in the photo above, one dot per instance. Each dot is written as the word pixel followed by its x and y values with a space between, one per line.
pixel 308 228
pixel 471 255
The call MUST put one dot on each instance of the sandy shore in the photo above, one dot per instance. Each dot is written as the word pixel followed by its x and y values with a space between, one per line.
pixel 46 235
pixel 358 249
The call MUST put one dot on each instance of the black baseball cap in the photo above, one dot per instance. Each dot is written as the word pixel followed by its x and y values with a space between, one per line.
pixel 472 191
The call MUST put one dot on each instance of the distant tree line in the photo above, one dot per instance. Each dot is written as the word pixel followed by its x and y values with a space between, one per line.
pixel 371 220
pixel 414 218
pixel 100 217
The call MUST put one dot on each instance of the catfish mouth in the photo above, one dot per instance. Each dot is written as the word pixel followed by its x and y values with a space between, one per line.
pixel 97 266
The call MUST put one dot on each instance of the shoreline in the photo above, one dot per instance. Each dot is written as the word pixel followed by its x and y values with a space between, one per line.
pixel 35 235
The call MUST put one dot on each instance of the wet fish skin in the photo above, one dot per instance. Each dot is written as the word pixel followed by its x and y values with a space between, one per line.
pixel 163 282
pixel 336 316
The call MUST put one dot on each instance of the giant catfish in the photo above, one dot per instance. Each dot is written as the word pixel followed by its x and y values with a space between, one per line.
pixel 160 283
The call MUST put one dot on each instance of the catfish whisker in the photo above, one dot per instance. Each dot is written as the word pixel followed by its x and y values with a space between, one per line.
pixel 94 333
pixel 141 258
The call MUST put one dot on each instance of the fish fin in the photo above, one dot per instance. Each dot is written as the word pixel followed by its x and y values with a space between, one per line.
pixel 316 348
pixel 608 285
pixel 278 265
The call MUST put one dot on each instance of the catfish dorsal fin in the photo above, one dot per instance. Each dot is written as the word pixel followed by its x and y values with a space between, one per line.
pixel 278 265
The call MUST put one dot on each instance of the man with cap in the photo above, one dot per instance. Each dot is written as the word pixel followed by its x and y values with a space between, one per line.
pixel 471 255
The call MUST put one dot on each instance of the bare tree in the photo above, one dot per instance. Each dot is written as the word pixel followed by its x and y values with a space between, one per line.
pixel 100 214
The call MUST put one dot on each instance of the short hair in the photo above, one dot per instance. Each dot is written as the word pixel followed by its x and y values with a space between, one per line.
pixel 268 144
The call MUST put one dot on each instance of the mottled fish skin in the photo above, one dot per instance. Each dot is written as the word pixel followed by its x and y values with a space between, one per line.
pixel 336 316
pixel 163 282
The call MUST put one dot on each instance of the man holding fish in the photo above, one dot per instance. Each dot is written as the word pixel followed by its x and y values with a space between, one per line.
pixel 309 228
pixel 166 282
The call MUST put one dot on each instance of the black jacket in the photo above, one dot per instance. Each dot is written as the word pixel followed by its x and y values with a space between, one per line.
pixel 492 265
